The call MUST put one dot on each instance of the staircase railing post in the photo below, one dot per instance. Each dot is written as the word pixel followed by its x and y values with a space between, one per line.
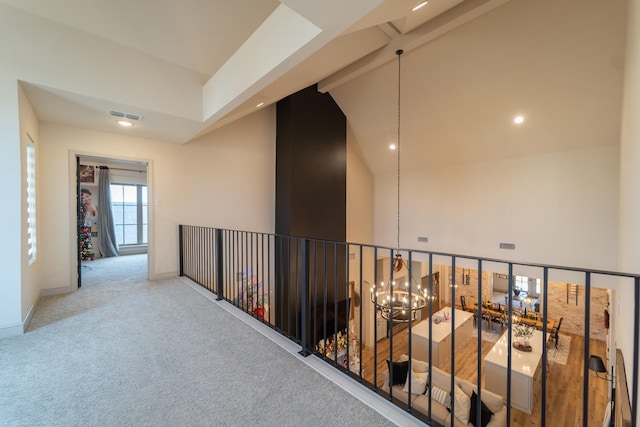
pixel 219 266
pixel 181 250
pixel 305 298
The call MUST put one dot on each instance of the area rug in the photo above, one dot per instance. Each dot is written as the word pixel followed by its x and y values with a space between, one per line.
pixel 561 354
pixel 491 336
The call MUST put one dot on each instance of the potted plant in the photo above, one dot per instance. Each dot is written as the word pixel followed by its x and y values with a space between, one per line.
pixel 522 333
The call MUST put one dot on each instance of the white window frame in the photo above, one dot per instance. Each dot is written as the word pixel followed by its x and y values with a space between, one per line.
pixel 141 220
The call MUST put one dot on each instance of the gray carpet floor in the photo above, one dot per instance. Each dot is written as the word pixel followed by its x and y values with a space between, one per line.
pixel 125 351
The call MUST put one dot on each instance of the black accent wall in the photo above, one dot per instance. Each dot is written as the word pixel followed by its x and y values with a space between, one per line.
pixel 311 187
pixel 311 166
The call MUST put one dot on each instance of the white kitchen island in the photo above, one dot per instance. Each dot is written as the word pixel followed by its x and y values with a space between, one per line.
pixel 441 336
pixel 525 371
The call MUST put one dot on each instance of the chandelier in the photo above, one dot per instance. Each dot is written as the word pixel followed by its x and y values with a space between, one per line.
pixel 399 301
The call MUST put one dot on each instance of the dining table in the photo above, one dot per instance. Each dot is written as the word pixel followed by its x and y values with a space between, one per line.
pixel 494 313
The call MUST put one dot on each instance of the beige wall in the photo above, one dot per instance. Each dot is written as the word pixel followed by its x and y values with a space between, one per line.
pixel 558 208
pixel 224 179
pixel 359 230
pixel 629 232
pixel 573 310
pixel 10 214
pixel 31 273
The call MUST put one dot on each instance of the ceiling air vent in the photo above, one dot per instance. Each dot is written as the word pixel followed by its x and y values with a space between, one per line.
pixel 129 116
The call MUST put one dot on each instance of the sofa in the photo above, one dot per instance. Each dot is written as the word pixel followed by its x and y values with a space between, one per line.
pixel 441 385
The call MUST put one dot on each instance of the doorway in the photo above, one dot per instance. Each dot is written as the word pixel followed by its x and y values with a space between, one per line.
pixel 112 217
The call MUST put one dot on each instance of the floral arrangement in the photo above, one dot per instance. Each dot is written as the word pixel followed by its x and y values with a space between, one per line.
pixel 253 295
pixel 520 330
pixel 338 343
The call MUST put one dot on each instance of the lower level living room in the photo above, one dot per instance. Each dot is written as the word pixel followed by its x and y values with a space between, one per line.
pixel 564 375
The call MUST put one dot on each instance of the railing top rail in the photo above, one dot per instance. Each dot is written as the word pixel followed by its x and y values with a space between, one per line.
pixel 447 254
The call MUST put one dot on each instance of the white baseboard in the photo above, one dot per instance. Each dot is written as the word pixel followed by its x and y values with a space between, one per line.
pixel 11 330
pixel 29 316
pixel 57 291
pixel 161 276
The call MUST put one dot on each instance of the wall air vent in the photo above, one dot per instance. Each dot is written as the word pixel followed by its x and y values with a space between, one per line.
pixel 124 115
pixel 511 246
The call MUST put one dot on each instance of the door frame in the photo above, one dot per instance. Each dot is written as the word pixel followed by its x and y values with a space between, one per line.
pixel 75 274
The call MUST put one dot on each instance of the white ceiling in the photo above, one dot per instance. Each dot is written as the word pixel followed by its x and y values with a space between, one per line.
pixel 201 36
pixel 463 77
pixel 561 68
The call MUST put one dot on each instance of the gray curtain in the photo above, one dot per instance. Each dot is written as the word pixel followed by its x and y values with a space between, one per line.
pixel 107 245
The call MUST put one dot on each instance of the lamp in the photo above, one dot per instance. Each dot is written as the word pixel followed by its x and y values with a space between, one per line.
pixel 597 365
pixel 399 301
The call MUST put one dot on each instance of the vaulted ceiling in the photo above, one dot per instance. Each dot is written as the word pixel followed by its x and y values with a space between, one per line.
pixel 188 67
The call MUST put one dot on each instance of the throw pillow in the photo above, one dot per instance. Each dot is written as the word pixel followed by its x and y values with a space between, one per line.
pixel 461 406
pixel 418 382
pixel 400 370
pixel 485 413
pixel 441 396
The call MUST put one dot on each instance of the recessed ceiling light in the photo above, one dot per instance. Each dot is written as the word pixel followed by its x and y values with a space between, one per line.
pixel 125 123
pixel 260 105
pixel 424 3
pixel 518 120
pixel 392 146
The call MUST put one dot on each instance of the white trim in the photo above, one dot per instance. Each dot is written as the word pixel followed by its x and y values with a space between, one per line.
pixel 73 268
pixel 162 276
pixel 376 402
pixel 57 291
pixel 11 330
pixel 29 316
pixel 132 249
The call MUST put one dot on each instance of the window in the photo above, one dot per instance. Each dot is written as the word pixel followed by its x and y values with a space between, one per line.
pixel 31 203
pixel 522 282
pixel 129 207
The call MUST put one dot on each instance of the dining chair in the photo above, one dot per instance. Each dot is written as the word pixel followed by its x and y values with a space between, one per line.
pixel 554 335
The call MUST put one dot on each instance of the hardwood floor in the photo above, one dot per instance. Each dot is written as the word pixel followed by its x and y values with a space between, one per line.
pixel 564 382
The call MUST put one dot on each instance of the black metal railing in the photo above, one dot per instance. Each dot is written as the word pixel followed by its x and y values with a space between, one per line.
pixel 310 290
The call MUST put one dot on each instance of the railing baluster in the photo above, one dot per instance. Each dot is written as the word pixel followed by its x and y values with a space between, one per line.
pixel 360 320
pixel 509 341
pixel 636 344
pixel 453 334
pixel 545 279
pixel 219 265
pixel 375 320
pixel 304 309
pixel 585 363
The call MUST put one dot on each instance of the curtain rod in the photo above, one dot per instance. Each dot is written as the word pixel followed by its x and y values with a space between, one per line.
pixel 120 169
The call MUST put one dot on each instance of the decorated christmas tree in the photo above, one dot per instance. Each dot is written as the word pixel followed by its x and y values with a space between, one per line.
pixel 86 252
